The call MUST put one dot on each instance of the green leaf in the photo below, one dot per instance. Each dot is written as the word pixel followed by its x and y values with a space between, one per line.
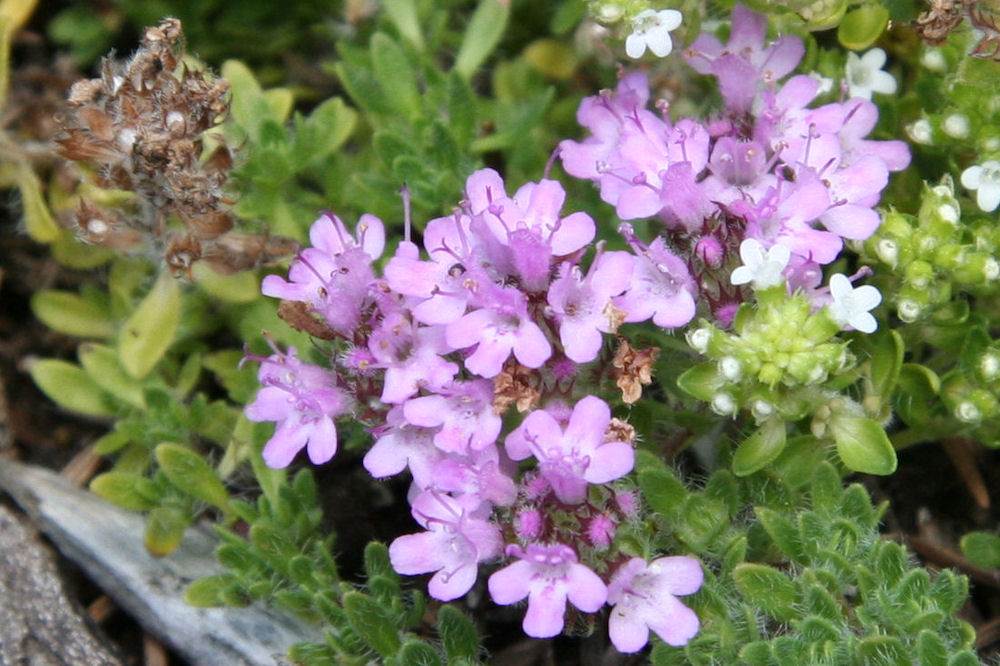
pixel 377 560
pixel 372 622
pixel 461 108
pixel 165 527
pixel 38 220
pixel 886 361
pixel 111 442
pixel 863 445
pixel 769 589
pixel 102 364
pixel 281 101
pixel 403 14
pixel 982 548
pixel 151 329
pixel 818 629
pixel 206 592
pixel 701 381
pixel 250 107
pixel 881 651
pixel 324 131
pixel 71 314
pixel 458 633
pixel 782 531
pixel 242 287
pixel 861 27
pixel 418 653
pixel 70 387
pixel 129 491
pixel 663 492
pixel 393 71
pixel 760 448
pixel 757 653
pixel 191 473
pixel 481 36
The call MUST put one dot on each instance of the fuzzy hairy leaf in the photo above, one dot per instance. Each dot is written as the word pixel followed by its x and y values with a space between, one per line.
pixel 772 591
pixel 372 622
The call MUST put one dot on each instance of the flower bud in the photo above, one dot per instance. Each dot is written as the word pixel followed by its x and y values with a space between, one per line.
pixel 989 366
pixel 919 274
pixel 761 409
pixel 723 404
pixel 699 338
pixel 967 412
pixel 908 311
pixel 887 251
pixel 730 369
pixel 956 126
pixel 709 250
pixel 921 132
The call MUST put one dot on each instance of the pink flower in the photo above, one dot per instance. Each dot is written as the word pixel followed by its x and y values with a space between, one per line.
pixel 455 542
pixel 497 330
pixel 661 285
pixel 581 304
pixel 548 576
pixel 334 275
pixel 465 412
pixel 570 459
pixel 644 598
pixel 303 399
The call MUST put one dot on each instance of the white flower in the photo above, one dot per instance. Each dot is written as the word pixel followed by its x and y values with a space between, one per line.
pixel 825 83
pixel 652 29
pixel 865 75
pixel 850 306
pixel 760 267
pixel 985 179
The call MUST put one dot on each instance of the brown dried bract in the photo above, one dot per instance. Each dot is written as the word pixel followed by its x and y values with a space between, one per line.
pixel 633 369
pixel 985 16
pixel 620 431
pixel 515 385
pixel 143 124
pixel 300 316
pixel 934 25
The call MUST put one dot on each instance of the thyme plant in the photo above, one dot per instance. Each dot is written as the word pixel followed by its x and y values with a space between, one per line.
pixel 627 292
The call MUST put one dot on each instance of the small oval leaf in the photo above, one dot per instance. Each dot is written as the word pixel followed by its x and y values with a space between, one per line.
pixel 150 330
pixel 70 387
pixel 863 445
pixel 70 313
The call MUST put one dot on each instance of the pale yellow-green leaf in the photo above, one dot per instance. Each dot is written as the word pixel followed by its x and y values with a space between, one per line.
pixel 551 57
pixel 242 287
pixel 38 221
pixel 250 106
pixel 69 313
pixel 73 254
pixel 150 330
pixel 5 34
pixel 102 364
pixel 15 13
pixel 281 101
pixel 69 387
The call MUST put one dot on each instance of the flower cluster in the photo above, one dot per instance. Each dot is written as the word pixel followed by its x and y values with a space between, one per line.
pixel 767 167
pixel 501 309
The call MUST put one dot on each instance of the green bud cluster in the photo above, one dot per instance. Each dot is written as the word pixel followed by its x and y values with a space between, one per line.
pixel 772 353
pixel 957 113
pixel 931 255
pixel 971 390
pixel 610 12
